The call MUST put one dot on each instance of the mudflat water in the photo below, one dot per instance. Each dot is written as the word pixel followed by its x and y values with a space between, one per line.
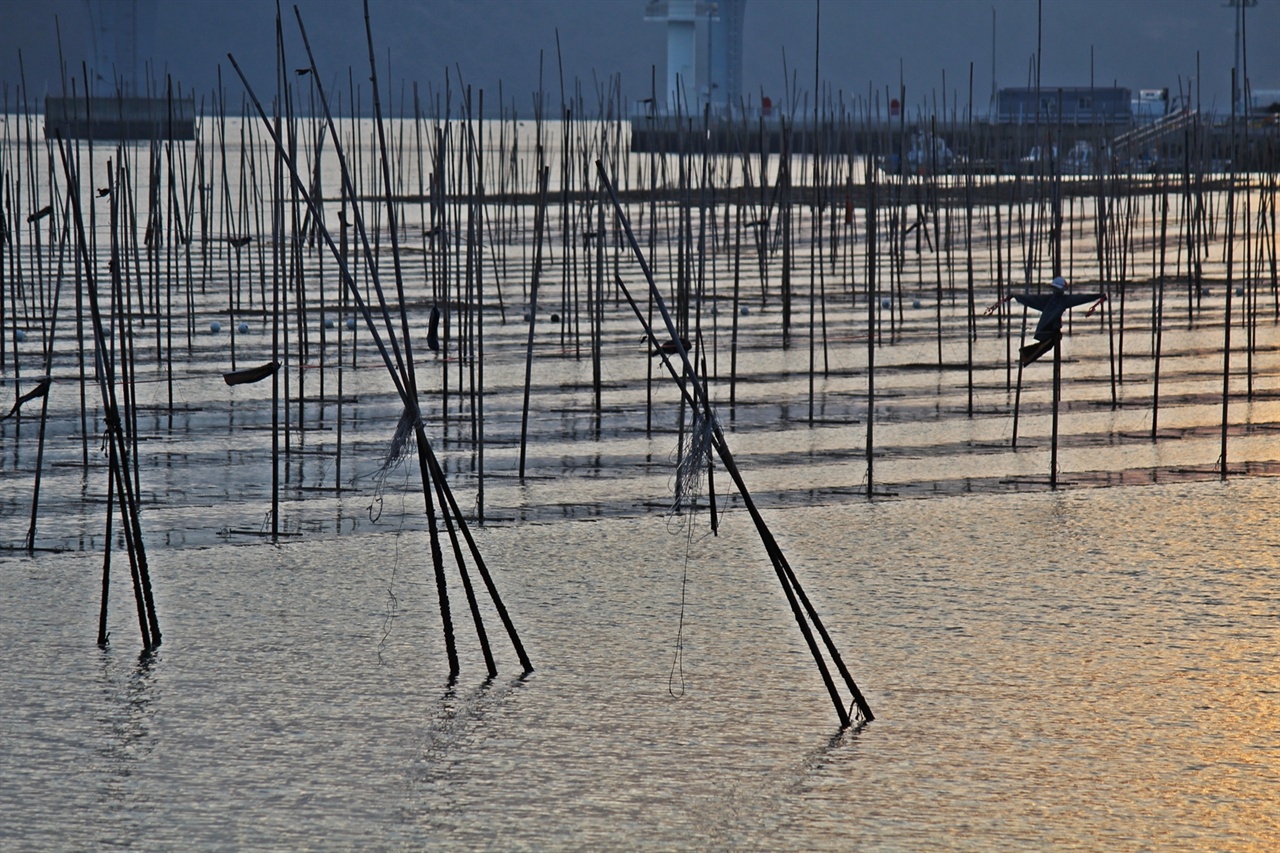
pixel 1089 669
pixel 1082 667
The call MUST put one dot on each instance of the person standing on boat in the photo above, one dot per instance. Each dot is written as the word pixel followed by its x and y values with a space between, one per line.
pixel 1052 306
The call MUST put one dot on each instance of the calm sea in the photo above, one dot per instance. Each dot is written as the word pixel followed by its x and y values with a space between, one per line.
pixel 1091 669
pixel 1088 668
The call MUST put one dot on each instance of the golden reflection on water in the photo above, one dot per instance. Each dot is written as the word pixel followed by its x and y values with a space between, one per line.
pixel 1091 669
pixel 1088 669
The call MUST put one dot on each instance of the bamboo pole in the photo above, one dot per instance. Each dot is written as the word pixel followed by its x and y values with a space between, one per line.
pixel 116 428
pixel 692 392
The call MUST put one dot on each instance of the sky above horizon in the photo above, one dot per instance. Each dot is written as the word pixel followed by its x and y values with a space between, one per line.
pixel 604 49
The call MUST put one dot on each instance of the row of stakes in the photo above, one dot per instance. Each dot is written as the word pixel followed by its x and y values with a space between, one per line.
pixel 216 327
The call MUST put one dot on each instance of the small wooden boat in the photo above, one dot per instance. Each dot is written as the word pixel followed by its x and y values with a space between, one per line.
pixel 39 391
pixel 251 374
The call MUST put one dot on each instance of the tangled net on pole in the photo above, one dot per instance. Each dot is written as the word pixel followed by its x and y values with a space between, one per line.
pixel 693 458
pixel 399 447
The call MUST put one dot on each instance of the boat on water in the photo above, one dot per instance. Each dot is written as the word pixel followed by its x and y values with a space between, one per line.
pixel 248 375
pixel 926 154
pixel 1082 158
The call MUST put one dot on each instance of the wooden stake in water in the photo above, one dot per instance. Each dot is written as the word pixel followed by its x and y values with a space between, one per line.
pixel 1158 319
pixel 539 226
pixel 873 301
pixel 116 425
pixel 1226 319
pixel 1057 396
pixel 401 369
pixel 802 609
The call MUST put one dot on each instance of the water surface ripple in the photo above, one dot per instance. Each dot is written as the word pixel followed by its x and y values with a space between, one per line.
pixel 1085 669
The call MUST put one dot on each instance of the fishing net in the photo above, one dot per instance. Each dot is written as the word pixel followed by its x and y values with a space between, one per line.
pixel 399 448
pixel 397 452
pixel 692 460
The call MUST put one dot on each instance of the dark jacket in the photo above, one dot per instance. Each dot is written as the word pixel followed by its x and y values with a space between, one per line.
pixel 1051 307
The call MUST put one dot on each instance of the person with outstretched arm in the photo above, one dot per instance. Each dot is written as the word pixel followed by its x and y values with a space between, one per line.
pixel 1052 306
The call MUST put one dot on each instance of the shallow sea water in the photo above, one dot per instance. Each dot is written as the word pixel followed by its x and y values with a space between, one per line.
pixel 1088 669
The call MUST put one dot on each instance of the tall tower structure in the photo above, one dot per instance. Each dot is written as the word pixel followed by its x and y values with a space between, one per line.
pixel 119 105
pixel 123 32
pixel 702 67
pixel 724 59
pixel 680 18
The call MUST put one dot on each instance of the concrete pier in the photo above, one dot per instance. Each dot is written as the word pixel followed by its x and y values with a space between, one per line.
pixel 982 145
pixel 114 119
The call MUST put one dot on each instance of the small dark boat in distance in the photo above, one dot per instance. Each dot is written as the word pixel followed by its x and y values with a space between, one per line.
pixel 251 374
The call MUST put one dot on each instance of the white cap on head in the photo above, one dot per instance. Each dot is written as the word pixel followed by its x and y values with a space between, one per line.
pixel 1059 283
